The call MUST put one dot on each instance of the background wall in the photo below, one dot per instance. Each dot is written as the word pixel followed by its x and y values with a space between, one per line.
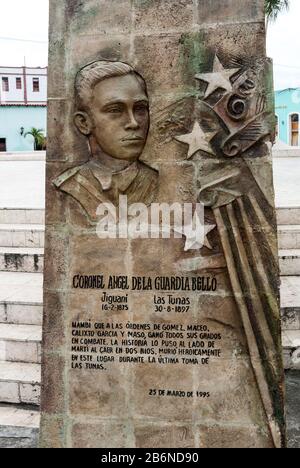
pixel 13 118
pixel 287 102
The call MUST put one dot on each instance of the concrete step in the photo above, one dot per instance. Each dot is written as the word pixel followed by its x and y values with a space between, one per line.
pixel 22 259
pixel 290 312
pixel 290 302
pixel 21 313
pixel 289 236
pixel 20 383
pixel 22 235
pixel 291 349
pixel 20 343
pixel 288 216
pixel 21 298
pixel 22 216
pixel 290 292
pixel 289 261
pixel 19 427
pixel 290 318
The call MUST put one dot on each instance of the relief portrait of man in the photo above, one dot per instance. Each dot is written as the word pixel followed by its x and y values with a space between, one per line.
pixel 112 111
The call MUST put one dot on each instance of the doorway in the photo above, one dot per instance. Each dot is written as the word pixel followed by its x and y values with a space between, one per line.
pixel 2 145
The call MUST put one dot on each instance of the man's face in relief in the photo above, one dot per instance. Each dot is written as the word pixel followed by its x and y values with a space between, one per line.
pixel 120 117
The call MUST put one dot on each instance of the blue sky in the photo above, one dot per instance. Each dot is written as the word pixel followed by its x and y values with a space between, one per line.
pixel 28 20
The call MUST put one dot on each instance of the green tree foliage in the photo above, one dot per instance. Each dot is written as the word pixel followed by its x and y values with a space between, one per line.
pixel 274 7
pixel 38 137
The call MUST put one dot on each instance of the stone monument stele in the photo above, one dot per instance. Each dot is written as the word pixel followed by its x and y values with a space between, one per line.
pixel 160 331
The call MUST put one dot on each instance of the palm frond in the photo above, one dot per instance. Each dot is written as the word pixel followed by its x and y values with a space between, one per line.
pixel 274 7
pixel 38 136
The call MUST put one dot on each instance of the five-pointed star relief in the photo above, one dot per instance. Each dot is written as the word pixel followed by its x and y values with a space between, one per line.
pixel 219 78
pixel 195 234
pixel 197 140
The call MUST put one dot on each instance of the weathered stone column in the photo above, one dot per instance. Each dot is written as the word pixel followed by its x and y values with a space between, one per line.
pixel 170 340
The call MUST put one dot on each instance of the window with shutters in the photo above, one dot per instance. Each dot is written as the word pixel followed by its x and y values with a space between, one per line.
pixel 36 85
pixel 5 84
pixel 18 83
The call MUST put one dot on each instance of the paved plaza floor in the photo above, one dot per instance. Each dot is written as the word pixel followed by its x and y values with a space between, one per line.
pixel 22 184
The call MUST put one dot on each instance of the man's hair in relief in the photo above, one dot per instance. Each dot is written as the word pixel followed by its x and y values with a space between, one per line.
pixel 92 74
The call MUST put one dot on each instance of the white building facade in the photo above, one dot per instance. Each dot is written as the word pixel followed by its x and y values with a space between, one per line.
pixel 23 86
pixel 23 106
